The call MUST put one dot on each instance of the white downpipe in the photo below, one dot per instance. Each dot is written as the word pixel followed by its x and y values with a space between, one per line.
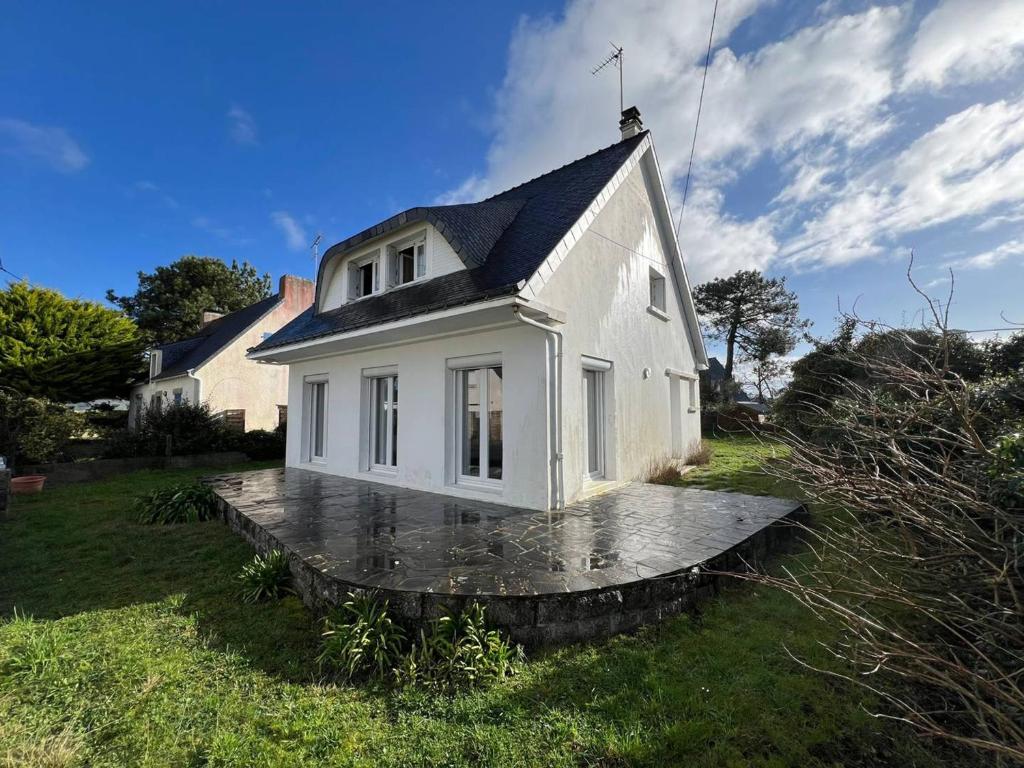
pixel 191 373
pixel 553 342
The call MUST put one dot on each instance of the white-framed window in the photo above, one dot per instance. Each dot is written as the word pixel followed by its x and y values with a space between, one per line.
pixel 594 417
pixel 364 275
pixel 382 421
pixel 178 397
pixel 657 291
pixel 156 360
pixel 477 420
pixel 314 426
pixel 408 260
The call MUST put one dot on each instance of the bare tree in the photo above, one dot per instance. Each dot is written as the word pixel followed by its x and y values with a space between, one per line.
pixel 919 551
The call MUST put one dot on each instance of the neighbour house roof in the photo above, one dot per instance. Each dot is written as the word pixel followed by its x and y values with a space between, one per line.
pixel 179 357
pixel 502 241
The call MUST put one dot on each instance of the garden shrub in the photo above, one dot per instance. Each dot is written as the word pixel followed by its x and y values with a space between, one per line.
pixel 191 428
pixel 259 444
pixel 34 430
pixel 360 640
pixel 190 503
pixel 459 651
pixel 266 578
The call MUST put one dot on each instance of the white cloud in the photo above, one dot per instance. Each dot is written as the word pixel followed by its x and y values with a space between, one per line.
pixel 151 188
pixel 47 144
pixel 991 258
pixel 294 234
pixel 242 127
pixel 969 164
pixel 966 41
pixel 826 83
pixel 233 235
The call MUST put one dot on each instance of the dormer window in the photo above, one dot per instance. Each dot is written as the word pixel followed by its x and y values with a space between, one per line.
pixel 397 263
pixel 156 359
pixel 408 260
pixel 364 275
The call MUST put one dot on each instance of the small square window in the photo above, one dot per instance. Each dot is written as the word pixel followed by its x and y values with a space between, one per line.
pixel 657 286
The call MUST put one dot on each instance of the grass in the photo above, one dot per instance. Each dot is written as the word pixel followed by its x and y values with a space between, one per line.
pixel 139 652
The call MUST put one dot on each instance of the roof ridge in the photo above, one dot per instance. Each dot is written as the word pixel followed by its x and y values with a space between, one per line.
pixel 634 139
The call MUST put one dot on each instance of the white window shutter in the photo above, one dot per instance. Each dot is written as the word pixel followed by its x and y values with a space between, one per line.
pixel 421 260
pixel 353 282
pixel 393 266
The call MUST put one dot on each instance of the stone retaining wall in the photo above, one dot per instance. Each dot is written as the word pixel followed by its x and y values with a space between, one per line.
pixel 536 620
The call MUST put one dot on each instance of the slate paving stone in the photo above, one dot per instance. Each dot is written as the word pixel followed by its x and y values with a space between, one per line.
pixel 602 565
pixel 368 533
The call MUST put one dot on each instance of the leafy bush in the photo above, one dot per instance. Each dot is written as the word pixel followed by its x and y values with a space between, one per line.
pixel 361 640
pixel 190 503
pixel 266 578
pixel 190 427
pixel 34 430
pixel 260 444
pixel 459 651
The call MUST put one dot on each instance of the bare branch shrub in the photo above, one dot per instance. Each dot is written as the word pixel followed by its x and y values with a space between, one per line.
pixel 918 555
pixel 700 454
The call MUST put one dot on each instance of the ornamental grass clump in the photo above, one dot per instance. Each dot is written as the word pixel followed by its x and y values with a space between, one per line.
pixel 190 503
pixel 266 578
pixel 361 641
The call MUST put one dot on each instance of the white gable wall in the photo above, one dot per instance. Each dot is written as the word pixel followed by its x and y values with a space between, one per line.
pixel 441 260
pixel 603 286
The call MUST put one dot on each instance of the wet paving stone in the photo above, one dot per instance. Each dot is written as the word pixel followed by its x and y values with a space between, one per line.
pixel 347 534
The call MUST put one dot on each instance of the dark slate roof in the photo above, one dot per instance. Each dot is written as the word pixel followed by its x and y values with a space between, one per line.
pixel 502 240
pixel 179 357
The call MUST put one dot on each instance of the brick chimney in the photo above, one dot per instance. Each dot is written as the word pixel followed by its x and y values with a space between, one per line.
pixel 296 292
pixel 630 124
pixel 208 317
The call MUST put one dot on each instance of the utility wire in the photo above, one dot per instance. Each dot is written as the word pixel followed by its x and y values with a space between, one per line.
pixel 696 124
pixel 5 269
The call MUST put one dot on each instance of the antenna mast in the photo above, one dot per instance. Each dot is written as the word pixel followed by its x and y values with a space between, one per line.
pixel 316 253
pixel 614 59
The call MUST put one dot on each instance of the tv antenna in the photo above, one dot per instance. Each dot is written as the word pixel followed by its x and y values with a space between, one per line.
pixel 614 59
pixel 316 253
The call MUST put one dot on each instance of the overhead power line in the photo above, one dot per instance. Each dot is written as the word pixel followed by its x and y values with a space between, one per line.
pixel 696 123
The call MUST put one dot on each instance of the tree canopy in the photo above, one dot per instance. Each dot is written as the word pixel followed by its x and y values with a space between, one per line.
pixel 169 303
pixel 750 313
pixel 62 349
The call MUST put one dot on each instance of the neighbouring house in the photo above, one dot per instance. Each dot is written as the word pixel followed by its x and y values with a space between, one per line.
pixel 530 349
pixel 212 366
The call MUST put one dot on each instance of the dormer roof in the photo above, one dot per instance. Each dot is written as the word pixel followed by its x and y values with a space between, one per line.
pixel 502 240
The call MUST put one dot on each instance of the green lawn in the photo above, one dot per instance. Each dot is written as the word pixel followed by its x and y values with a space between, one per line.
pixel 139 652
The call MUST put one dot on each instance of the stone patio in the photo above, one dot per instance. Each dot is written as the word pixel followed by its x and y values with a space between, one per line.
pixel 604 565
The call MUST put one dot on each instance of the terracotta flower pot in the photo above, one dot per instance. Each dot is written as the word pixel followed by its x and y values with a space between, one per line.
pixel 28 484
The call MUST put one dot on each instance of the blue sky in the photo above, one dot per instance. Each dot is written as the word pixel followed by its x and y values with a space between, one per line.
pixel 835 137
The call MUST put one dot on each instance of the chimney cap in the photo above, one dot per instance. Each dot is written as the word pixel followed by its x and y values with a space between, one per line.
pixel 630 124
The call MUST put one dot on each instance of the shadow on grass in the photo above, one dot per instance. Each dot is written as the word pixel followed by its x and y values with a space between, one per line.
pixel 78 548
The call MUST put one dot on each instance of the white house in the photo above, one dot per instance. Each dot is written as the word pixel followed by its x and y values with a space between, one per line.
pixel 529 349
pixel 212 366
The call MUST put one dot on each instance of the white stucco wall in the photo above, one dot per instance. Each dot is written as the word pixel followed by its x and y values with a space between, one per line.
pixel 603 287
pixel 441 260
pixel 424 413
pixel 229 380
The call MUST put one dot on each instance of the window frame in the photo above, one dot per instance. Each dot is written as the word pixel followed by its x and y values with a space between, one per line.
pixel 371 407
pixel 657 294
pixel 598 369
pixel 418 243
pixel 309 384
pixel 156 362
pixel 458 369
pixel 354 269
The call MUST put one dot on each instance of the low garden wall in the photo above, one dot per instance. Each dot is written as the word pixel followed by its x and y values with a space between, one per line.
pixel 101 469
